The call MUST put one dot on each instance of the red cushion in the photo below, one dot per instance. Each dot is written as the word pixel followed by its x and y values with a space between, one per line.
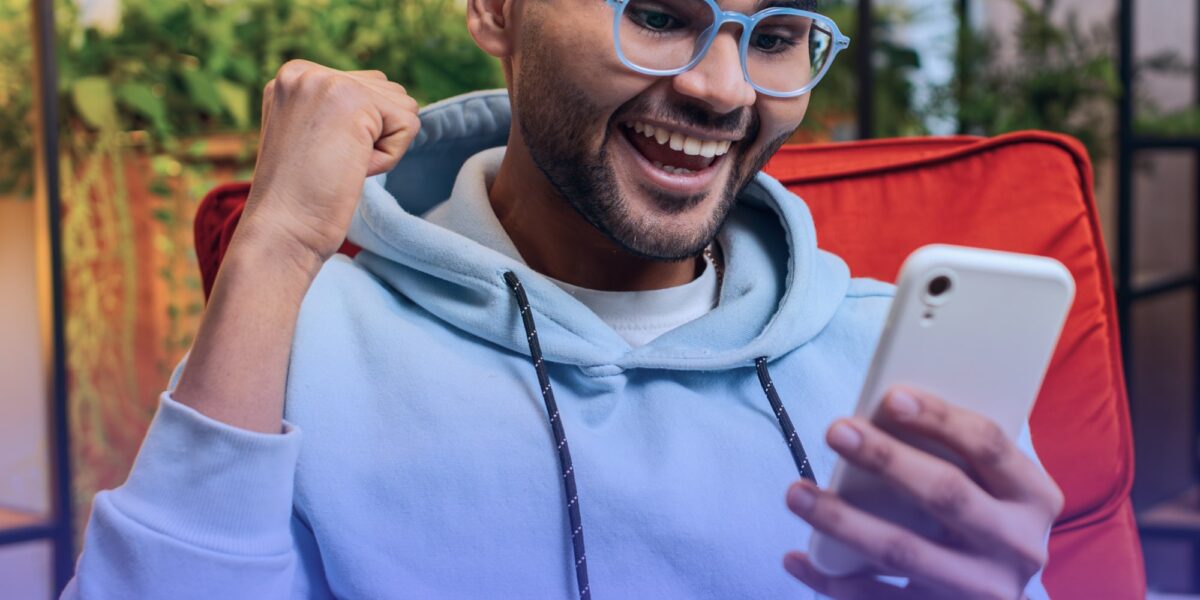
pixel 875 202
pixel 216 218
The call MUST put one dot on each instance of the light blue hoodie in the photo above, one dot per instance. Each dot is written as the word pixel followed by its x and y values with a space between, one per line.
pixel 427 467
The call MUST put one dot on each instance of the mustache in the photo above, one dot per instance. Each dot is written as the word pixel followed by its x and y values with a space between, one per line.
pixel 741 123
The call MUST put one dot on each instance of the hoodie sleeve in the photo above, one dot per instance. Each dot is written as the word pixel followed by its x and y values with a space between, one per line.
pixel 205 513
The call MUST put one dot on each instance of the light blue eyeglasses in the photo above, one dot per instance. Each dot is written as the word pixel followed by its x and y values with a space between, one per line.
pixel 784 51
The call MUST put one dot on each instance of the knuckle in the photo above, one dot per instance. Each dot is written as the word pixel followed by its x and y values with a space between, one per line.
pixel 828 511
pixel 1056 501
pixel 326 83
pixel 997 593
pixel 937 411
pixel 1029 561
pixel 291 71
pixel 365 121
pixel 879 455
pixel 949 495
pixel 899 554
pixel 993 445
pixel 413 122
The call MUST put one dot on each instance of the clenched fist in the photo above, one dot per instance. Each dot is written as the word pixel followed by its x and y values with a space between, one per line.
pixel 324 132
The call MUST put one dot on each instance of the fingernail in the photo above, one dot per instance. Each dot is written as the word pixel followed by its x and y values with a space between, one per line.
pixel 844 437
pixel 903 404
pixel 792 562
pixel 801 497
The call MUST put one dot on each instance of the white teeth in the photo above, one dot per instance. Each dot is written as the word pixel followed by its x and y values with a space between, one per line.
pixel 680 142
pixel 672 170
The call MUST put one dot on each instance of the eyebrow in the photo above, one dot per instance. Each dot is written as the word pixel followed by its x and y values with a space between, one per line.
pixel 810 5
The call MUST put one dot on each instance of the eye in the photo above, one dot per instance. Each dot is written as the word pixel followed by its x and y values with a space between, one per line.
pixel 766 42
pixel 655 20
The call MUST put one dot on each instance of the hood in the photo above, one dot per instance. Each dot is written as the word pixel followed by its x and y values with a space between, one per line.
pixel 779 289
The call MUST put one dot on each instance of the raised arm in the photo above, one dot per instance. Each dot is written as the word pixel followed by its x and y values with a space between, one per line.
pixel 207 510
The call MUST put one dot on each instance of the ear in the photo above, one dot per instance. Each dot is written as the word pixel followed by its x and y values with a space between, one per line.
pixel 490 23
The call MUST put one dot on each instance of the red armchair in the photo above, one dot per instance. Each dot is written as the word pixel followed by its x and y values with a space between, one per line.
pixel 874 202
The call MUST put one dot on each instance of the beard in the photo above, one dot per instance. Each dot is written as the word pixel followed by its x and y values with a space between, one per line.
pixel 557 120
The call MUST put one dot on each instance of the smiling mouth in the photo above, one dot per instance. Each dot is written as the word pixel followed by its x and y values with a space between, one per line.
pixel 674 152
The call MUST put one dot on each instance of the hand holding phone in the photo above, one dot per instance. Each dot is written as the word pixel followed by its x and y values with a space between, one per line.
pixel 931 486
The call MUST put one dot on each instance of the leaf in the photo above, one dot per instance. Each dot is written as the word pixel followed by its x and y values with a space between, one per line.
pixel 902 58
pixel 243 69
pixel 141 99
pixel 203 91
pixel 163 216
pixel 160 188
pixel 236 99
pixel 93 100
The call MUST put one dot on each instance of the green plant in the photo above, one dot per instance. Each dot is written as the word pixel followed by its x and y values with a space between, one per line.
pixel 1150 117
pixel 181 69
pixel 1061 77
pixel 1173 123
pixel 833 102
pixel 16 99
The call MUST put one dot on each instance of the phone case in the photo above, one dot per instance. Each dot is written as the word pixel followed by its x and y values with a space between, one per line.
pixel 984 344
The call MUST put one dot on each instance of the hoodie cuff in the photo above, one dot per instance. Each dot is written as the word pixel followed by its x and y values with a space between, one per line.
pixel 209 484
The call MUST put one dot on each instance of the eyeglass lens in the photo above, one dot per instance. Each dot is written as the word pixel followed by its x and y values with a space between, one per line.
pixel 784 54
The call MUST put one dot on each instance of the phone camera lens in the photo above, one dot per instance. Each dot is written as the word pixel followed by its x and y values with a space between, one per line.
pixel 939 285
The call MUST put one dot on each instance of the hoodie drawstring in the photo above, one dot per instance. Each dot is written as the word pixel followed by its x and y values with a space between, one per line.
pixel 564 451
pixel 560 436
pixel 785 423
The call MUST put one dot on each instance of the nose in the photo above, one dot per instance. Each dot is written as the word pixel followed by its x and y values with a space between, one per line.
pixel 718 80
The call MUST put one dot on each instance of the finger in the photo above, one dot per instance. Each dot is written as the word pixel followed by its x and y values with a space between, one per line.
pixel 268 99
pixel 890 548
pixel 972 517
pixel 1001 467
pixel 942 489
pixel 853 587
pixel 390 91
pixel 400 128
pixel 371 74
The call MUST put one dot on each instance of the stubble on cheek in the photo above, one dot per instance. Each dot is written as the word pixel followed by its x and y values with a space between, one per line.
pixel 558 120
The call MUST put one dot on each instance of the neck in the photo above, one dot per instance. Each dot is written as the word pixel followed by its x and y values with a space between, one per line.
pixel 556 241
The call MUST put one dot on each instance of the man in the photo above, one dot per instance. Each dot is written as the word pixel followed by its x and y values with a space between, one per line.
pixel 672 301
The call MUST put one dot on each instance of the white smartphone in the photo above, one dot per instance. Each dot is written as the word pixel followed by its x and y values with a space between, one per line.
pixel 973 327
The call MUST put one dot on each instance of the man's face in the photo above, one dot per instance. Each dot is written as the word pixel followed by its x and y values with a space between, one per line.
pixel 602 133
